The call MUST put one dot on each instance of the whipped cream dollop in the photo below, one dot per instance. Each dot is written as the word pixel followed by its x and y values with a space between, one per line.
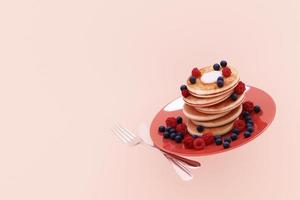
pixel 211 77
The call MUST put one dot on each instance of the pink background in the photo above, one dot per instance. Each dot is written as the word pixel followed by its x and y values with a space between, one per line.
pixel 68 69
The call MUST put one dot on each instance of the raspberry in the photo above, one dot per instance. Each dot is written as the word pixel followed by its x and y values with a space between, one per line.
pixel 188 142
pixel 248 106
pixel 196 73
pixel 208 138
pixel 239 124
pixel 181 128
pixel 185 93
pixel 171 122
pixel 199 143
pixel 240 88
pixel 226 71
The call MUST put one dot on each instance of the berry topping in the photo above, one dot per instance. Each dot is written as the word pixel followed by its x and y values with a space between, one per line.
pixel 228 139
pixel 248 106
pixel 240 88
pixel 249 125
pixel 216 67
pixel 233 96
pixel 199 143
pixel 173 135
pixel 236 131
pixel 248 118
pixel 168 129
pixel 192 79
pixel 195 136
pixel 196 73
pixel 218 141
pixel 161 129
pixel 245 114
pixel 226 72
pixel 223 63
pixel 183 87
pixel 226 145
pixel 239 124
pixel 185 93
pixel 250 129
pixel 200 128
pixel 208 138
pixel 166 134
pixel 171 122
pixel 257 109
pixel 181 134
pixel 179 120
pixel 220 83
pixel 233 136
pixel 220 78
pixel 178 138
pixel 218 136
pixel 247 134
pixel 181 128
pixel 188 142
pixel 172 130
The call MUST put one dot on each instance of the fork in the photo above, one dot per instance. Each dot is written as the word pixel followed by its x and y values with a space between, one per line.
pixel 131 139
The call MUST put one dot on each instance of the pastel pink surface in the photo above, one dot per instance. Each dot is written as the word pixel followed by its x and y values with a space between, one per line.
pixel 70 69
pixel 261 121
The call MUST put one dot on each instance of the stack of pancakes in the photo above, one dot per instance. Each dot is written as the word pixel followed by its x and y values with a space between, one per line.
pixel 211 106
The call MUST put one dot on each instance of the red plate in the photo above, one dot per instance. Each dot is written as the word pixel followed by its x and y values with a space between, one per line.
pixel 261 121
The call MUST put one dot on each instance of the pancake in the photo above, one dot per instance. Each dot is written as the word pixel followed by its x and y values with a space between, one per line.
pixel 224 106
pixel 221 130
pixel 200 88
pixel 202 102
pixel 231 116
pixel 195 115
pixel 215 94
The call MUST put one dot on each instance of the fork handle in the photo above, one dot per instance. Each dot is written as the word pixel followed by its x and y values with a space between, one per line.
pixel 182 159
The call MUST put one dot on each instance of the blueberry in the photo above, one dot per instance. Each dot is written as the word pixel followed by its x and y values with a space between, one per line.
pixel 183 87
pixel 195 136
pixel 250 122
pixel 245 114
pixel 248 118
pixel 161 129
pixel 178 138
pixel 179 120
pixel 200 128
pixel 250 129
pixel 233 136
pixel 236 131
pixel 233 96
pixel 223 63
pixel 220 83
pixel 218 137
pixel 166 134
pixel 247 134
pixel 249 125
pixel 216 67
pixel 173 135
pixel 180 134
pixel 168 129
pixel 226 145
pixel 220 78
pixel 193 80
pixel 257 109
pixel 228 139
pixel 218 141
pixel 172 130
